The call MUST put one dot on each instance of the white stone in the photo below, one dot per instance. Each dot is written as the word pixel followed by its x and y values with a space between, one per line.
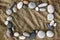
pixel 52 22
pixel 6 22
pixel 31 5
pixel 19 5
pixel 37 9
pixel 9 18
pixel 55 24
pixel 42 9
pixel 49 34
pixel 50 9
pixel 14 9
pixel 16 34
pixel 8 11
pixel 26 34
pixel 50 17
pixel 22 37
pixel 42 5
pixel 41 34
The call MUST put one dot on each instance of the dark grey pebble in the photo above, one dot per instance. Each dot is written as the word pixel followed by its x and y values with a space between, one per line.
pixel 50 27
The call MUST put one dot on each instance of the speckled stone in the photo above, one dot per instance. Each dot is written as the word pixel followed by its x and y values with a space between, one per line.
pixel 31 5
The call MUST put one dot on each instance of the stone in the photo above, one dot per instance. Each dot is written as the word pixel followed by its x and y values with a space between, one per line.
pixel 9 18
pixel 22 37
pixel 49 34
pixel 42 9
pixel 19 5
pixel 50 17
pixel 31 5
pixel 41 34
pixel 52 22
pixel 43 5
pixel 16 34
pixel 25 1
pixel 6 22
pixel 26 34
pixel 8 11
pixel 50 9
pixel 37 8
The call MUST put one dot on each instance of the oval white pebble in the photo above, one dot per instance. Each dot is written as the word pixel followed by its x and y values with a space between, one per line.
pixel 22 37
pixel 31 5
pixel 19 5
pixel 42 9
pixel 55 24
pixel 41 34
pixel 8 11
pixel 42 5
pixel 49 34
pixel 37 9
pixel 16 34
pixel 50 9
pixel 26 34
pixel 9 18
pixel 52 22
pixel 14 9
pixel 6 22
pixel 50 17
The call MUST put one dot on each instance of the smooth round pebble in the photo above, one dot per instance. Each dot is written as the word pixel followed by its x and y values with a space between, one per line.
pixel 49 34
pixel 43 5
pixel 50 9
pixel 8 11
pixel 6 22
pixel 42 9
pixel 25 2
pixel 19 5
pixel 37 9
pixel 9 18
pixel 22 37
pixel 16 34
pixel 50 17
pixel 41 34
pixel 31 5
pixel 26 34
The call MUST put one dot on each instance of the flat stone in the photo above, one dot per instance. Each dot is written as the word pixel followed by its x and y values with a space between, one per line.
pixel 16 34
pixel 9 18
pixel 22 37
pixel 31 5
pixel 50 9
pixel 42 9
pixel 6 22
pixel 41 34
pixel 50 17
pixel 19 5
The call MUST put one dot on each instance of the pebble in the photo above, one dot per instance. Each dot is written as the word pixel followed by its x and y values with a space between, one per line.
pixel 22 37
pixel 55 24
pixel 42 9
pixel 31 5
pixel 41 34
pixel 6 22
pixel 52 22
pixel 16 34
pixel 50 17
pixel 9 18
pixel 25 2
pixel 19 5
pixel 37 8
pixel 43 5
pixel 26 34
pixel 50 9
pixel 49 26
pixel 8 11
pixel 49 34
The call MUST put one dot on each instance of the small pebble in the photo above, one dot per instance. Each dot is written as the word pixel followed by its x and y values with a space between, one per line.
pixel 16 34
pixel 19 5
pixel 50 17
pixel 55 24
pixel 26 34
pixel 50 9
pixel 49 34
pixel 31 5
pixel 49 26
pixel 8 11
pixel 22 37
pixel 43 5
pixel 41 34
pixel 42 9
pixel 25 2
pixel 37 9
pixel 52 22
pixel 6 22
pixel 9 18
